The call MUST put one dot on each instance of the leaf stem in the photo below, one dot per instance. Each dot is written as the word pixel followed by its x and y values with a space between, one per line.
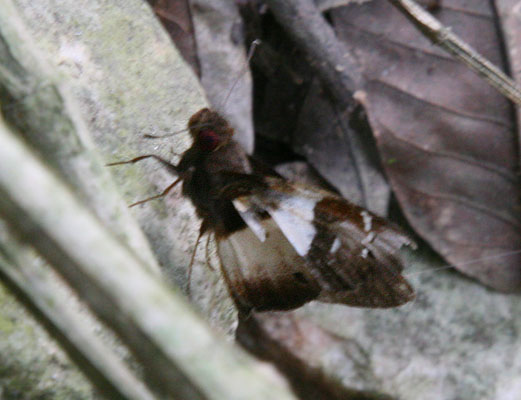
pixel 442 36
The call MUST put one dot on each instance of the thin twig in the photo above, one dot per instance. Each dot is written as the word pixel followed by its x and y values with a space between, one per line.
pixel 444 38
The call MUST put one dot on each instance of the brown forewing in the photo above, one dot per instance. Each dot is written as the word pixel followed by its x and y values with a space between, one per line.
pixel 337 253
pixel 283 244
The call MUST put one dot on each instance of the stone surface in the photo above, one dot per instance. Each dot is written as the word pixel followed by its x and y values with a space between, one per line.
pixel 126 79
pixel 31 364
pixel 458 340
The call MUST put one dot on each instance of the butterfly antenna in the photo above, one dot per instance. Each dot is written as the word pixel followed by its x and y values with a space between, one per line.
pixel 470 262
pixel 251 51
pixel 157 196
pixel 149 136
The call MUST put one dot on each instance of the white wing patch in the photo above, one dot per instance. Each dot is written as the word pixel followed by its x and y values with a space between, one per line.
pixel 294 216
pixel 368 220
pixel 335 246
pixel 247 213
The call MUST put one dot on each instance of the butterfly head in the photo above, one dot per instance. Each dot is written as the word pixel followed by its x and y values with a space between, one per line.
pixel 209 130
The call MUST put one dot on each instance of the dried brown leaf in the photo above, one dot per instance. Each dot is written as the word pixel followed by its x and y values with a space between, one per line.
pixel 448 141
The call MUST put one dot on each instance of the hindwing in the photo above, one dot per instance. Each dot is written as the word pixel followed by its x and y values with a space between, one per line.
pixel 301 243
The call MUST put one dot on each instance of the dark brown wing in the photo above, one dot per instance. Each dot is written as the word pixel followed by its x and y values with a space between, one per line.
pixel 268 274
pixel 339 249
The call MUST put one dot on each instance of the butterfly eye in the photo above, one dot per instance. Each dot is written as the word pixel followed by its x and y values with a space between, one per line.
pixel 208 140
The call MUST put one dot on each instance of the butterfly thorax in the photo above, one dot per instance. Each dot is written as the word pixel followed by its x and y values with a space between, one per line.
pixel 209 167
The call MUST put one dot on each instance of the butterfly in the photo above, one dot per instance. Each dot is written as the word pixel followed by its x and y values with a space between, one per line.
pixel 283 244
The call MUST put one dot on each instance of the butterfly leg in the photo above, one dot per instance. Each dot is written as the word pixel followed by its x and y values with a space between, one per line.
pixel 157 196
pixel 207 253
pixel 166 163
pixel 202 230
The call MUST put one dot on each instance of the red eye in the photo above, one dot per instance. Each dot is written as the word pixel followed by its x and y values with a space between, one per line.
pixel 208 140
